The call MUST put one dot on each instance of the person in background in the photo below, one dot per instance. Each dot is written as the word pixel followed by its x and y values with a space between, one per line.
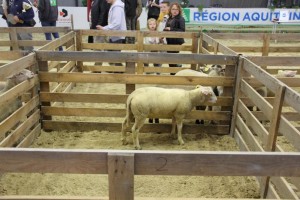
pixel 163 15
pixel 153 7
pixel 99 16
pixel 133 9
pixel 6 4
pixel 116 21
pixel 48 15
pixel 22 16
pixel 139 10
pixel 152 26
pixel 175 23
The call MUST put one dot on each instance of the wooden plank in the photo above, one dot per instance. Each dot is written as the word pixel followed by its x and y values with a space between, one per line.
pixel 165 47
pixel 236 95
pixel 292 98
pixel 287 37
pixel 56 43
pixel 21 130
pixel 237 36
pixel 226 50
pixel 116 127
pixel 41 29
pixel 266 45
pixel 16 66
pixel 108 33
pixel 28 140
pixel 11 55
pixel 284 189
pixel 160 58
pixel 268 80
pixel 275 119
pixel 130 69
pixel 273 132
pixel 247 135
pixel 17 91
pixel 240 141
pixel 103 68
pixel 120 176
pixel 252 122
pixel 240 49
pixel 14 39
pixel 170 34
pixel 67 67
pixel 108 46
pixel 18 115
pixel 99 112
pixel 90 98
pixel 290 132
pixel 108 98
pixel 27 43
pixel 257 99
pixel 275 60
pixel 134 79
pixel 200 163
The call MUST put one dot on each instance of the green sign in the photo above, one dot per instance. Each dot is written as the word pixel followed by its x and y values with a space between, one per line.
pixel 52 2
pixel 186 14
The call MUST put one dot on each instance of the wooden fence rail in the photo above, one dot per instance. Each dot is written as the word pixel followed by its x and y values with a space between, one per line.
pixel 121 166
pixel 13 41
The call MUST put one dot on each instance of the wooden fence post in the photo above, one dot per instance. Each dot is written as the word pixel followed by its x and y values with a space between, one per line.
pixel 14 39
pixel 238 78
pixel 44 86
pixel 121 176
pixel 266 46
pixel 195 43
pixel 273 132
pixel 79 48
pixel 230 71
pixel 130 69
pixel 140 48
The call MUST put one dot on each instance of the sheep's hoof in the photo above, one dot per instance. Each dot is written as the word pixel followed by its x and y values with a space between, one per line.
pixel 138 148
pixel 181 142
pixel 124 142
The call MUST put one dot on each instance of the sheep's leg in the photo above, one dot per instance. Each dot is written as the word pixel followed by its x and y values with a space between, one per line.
pixel 173 132
pixel 179 129
pixel 138 124
pixel 124 127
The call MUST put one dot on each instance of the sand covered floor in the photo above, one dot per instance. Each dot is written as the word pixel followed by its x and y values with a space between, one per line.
pixel 145 186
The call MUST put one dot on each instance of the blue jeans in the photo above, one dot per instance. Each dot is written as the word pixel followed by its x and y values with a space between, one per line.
pixel 48 35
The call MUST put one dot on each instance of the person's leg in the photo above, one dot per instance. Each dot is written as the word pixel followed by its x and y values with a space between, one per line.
pixel 55 34
pixel 99 39
pixel 120 41
pixel 130 25
pixel 25 36
pixel 47 35
pixel 173 65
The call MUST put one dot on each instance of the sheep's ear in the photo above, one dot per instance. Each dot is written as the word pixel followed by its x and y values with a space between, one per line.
pixel 198 86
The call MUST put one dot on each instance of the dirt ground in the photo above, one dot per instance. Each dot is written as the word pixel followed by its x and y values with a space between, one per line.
pixel 145 186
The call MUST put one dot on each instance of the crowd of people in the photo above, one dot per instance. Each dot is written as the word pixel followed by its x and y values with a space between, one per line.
pixel 116 15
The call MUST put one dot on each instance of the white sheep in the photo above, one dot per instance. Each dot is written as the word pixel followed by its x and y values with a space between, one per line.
pixel 12 81
pixel 213 71
pixel 161 102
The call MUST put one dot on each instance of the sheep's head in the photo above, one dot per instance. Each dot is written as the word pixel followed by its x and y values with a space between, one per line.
pixel 208 93
pixel 21 76
pixel 286 73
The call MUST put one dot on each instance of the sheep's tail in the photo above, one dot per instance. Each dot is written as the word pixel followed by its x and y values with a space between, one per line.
pixel 129 115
